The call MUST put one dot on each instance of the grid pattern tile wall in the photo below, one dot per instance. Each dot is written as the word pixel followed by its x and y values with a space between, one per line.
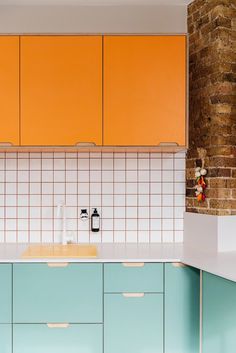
pixel 140 196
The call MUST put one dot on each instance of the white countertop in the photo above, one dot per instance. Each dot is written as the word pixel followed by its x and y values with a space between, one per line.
pixel 220 264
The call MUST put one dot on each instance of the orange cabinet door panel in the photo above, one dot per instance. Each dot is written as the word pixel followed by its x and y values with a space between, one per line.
pixel 144 90
pixel 9 89
pixel 61 90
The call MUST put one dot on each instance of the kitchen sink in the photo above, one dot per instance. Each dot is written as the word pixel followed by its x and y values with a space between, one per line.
pixel 59 251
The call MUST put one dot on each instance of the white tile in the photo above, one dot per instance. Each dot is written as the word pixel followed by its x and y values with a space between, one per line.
pixel 95 201
pixel 155 164
pixel 96 176
pixel 180 176
pixel 35 200
pixel 155 224
pixel 35 236
pixel 167 200
pixel 11 236
pixel 35 164
pixel 131 224
pixel 71 176
pixel 143 212
pixel 143 163
pixel 119 176
pixel 23 224
pixel 11 176
pixel 179 200
pixel 107 188
pixel 10 200
pixel 119 200
pixel 35 224
pixel 143 176
pixel 83 225
pixel 107 176
pixel 168 188
pixel 156 212
pixel 47 176
pixel 143 224
pixel 168 164
pixel 131 236
pixel 167 224
pixel 155 188
pixel 167 212
pixel 167 236
pixel 35 176
pixel 95 188
pixel 156 176
pixel 10 212
pixel 155 200
pixel 143 236
pixel 47 212
pixel 59 164
pixel 83 188
pixel 2 200
pixel 59 176
pixel 71 212
pixel 23 164
pixel 131 188
pixel 83 176
pixel 107 236
pixel 46 200
pixel 95 164
pixel 119 224
pixel 143 200
pixel 107 212
pixel 47 164
pixel 47 237
pixel 119 164
pixel 71 188
pixel 131 200
pixel 2 234
pixel 155 236
pixel 71 164
pixel 47 224
pixel 22 236
pixel 119 188
pixel 180 188
pixel 47 188
pixel 23 212
pixel 107 224
pixel 107 164
pixel 83 237
pixel 107 200
pixel 178 236
pixel 2 164
pixel 2 224
pixel 11 188
pixel 2 176
pixel 179 224
pixel 131 164
pixel 131 176
pixel 23 188
pixel 179 212
pixel 35 212
pixel 59 188
pixel 167 176
pixel 11 164
pixel 2 188
pixel 131 212
pixel 143 188
pixel 83 201
pixel 2 211
pixel 35 188
pixel 119 236
pixel 119 212
pixel 97 155
pixel 83 164
pixel 179 164
pixel 82 155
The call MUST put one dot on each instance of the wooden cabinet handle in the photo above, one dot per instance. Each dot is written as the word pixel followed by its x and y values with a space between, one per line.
pixel 178 264
pixel 58 264
pixel 133 295
pixel 133 264
pixel 168 144
pixel 57 325
pixel 85 144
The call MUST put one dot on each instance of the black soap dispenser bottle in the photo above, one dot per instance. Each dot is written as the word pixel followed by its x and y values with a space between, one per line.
pixel 95 221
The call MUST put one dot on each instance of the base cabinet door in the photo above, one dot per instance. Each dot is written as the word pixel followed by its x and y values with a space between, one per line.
pixel 218 314
pixel 39 338
pixel 133 323
pixel 182 293
pixel 5 293
pixel 5 338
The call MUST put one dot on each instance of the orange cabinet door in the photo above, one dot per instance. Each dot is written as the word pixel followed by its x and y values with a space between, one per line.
pixel 9 89
pixel 144 90
pixel 61 90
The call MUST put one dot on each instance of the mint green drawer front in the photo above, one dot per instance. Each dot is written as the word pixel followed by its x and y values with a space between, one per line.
pixel 133 325
pixel 41 339
pixel 219 315
pixel 182 292
pixel 45 294
pixel 5 293
pixel 120 277
pixel 5 338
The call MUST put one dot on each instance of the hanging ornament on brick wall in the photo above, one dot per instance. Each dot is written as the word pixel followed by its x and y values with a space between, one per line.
pixel 200 175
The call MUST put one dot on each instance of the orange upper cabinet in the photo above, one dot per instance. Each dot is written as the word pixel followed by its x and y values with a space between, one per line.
pixel 61 90
pixel 9 89
pixel 144 90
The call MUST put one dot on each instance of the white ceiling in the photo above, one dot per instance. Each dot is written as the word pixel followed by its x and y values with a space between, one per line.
pixel 94 2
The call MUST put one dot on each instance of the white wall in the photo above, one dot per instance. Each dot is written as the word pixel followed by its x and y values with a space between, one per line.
pixel 93 19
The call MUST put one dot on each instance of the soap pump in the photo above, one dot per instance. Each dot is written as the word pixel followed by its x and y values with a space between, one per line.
pixel 95 221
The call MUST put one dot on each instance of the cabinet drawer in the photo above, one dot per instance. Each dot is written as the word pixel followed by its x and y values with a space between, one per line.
pixel 44 294
pixel 133 277
pixel 5 293
pixel 5 338
pixel 72 339
pixel 133 324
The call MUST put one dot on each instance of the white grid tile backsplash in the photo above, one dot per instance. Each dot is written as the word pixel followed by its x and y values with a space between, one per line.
pixel 140 196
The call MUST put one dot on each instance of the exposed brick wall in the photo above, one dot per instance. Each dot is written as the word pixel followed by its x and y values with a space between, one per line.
pixel 212 106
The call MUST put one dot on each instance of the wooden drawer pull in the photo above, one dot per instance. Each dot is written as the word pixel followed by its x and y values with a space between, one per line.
pixel 168 144
pixel 133 295
pixel 58 264
pixel 85 144
pixel 133 264
pixel 63 325
pixel 178 264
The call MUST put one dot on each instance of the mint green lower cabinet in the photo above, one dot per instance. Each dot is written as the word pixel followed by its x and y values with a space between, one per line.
pixel 133 324
pixel 39 338
pixel 45 294
pixel 5 293
pixel 219 315
pixel 182 293
pixel 5 338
